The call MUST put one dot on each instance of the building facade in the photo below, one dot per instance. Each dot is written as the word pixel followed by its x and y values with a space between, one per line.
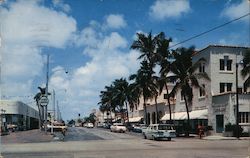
pixel 216 106
pixel 19 114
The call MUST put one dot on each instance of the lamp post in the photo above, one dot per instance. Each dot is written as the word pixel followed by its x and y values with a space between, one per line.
pixel 237 101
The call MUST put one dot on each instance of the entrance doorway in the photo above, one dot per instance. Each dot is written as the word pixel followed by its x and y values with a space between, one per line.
pixel 219 123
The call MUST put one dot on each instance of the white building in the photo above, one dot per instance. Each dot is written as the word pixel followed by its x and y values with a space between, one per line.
pixel 217 106
pixel 20 114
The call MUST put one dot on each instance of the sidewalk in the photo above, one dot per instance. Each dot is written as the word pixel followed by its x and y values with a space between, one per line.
pixel 217 137
pixel 30 136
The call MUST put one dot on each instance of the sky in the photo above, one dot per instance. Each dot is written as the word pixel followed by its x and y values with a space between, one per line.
pixel 91 40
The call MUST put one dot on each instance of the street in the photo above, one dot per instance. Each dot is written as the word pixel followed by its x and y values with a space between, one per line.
pixel 100 143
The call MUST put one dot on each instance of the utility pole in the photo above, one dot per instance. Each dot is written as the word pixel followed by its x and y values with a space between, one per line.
pixel 237 103
pixel 54 111
pixel 1 56
pixel 46 95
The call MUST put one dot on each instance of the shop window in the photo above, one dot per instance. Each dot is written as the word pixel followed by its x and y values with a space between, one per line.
pixel 244 117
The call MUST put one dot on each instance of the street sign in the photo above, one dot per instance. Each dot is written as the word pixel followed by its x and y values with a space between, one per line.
pixel 44 101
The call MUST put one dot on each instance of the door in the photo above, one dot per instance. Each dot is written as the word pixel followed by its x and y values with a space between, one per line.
pixel 219 123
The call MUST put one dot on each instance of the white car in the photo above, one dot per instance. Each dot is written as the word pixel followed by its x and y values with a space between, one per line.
pixel 159 131
pixel 118 127
pixel 89 125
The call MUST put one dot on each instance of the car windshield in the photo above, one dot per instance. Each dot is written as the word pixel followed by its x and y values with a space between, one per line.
pixel 106 78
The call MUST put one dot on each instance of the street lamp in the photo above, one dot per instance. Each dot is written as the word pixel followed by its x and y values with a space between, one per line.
pixel 46 91
pixel 237 101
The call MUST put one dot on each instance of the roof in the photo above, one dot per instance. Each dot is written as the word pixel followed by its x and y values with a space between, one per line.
pixel 223 46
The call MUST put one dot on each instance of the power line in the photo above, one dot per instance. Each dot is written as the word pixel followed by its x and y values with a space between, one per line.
pixel 210 30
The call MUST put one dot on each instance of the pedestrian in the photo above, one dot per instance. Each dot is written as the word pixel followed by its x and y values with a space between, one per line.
pixel 200 131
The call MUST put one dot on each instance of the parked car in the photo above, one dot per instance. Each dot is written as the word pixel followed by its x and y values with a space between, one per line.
pixel 12 127
pixel 129 126
pixel 89 125
pixel 118 127
pixel 106 125
pixel 159 131
pixel 139 128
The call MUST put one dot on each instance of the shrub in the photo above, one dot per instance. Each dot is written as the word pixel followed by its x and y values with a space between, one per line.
pixel 233 128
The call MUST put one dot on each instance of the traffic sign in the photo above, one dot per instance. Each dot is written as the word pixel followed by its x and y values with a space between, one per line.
pixel 44 101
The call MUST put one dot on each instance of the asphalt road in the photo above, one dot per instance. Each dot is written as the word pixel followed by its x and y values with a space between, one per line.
pixel 99 143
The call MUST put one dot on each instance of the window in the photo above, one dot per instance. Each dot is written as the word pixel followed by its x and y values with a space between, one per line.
pixel 222 86
pixel 202 67
pixel 244 117
pixel 225 87
pixel 202 91
pixel 226 64
pixel 229 65
pixel 229 87
pixel 182 97
pixel 240 90
pixel 222 64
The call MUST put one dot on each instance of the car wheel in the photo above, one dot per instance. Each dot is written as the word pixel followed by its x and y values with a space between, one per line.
pixel 154 138
pixel 169 139
pixel 145 137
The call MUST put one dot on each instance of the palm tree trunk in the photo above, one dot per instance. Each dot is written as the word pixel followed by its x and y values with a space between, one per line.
pixel 145 111
pixel 169 104
pixel 156 109
pixel 188 119
pixel 40 118
pixel 127 110
pixel 111 119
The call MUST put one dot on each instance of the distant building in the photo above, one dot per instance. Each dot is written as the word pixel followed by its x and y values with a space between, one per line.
pixel 19 114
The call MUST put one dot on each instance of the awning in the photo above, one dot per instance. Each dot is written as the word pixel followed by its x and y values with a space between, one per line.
pixel 135 119
pixel 175 116
pixel 197 114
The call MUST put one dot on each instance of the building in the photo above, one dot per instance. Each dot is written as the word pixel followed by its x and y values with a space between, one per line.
pixel 19 114
pixel 104 117
pixel 215 107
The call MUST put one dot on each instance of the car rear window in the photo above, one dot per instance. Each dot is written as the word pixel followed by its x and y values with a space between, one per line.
pixel 164 127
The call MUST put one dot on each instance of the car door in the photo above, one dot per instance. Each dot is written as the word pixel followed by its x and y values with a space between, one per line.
pixel 148 132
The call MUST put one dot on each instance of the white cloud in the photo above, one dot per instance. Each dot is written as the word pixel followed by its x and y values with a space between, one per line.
pixel 108 62
pixel 61 5
pixel 26 28
pixel 115 21
pixel 237 10
pixel 163 9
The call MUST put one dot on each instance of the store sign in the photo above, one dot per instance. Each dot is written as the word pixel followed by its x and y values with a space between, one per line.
pixel 219 109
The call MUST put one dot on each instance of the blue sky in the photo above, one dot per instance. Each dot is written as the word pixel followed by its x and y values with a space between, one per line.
pixel 91 40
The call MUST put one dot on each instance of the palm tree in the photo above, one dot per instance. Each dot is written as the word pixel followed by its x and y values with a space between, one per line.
pixel 37 98
pixel 144 84
pixel 146 44
pixel 121 95
pixel 162 58
pixel 186 77
pixel 107 99
pixel 246 68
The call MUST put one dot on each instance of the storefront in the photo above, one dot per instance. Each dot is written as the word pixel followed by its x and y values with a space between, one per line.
pixel 19 115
